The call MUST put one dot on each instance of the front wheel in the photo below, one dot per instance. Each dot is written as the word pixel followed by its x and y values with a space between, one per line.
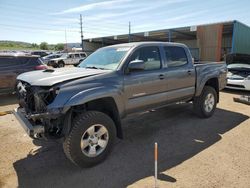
pixel 205 104
pixel 90 139
pixel 60 64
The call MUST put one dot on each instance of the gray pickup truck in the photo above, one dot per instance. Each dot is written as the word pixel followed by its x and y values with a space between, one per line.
pixel 83 106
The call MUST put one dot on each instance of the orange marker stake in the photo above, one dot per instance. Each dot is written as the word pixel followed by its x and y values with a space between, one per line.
pixel 156 159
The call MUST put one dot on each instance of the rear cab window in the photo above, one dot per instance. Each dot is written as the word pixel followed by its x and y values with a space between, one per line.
pixel 175 56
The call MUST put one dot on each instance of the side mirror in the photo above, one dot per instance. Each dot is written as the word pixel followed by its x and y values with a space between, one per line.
pixel 136 65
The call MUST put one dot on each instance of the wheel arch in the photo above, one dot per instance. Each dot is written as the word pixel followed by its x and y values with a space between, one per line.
pixel 212 82
pixel 106 105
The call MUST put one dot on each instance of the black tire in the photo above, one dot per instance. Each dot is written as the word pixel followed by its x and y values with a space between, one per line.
pixel 199 102
pixel 60 64
pixel 80 125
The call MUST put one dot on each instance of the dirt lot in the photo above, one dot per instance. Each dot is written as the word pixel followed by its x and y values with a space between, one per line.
pixel 193 152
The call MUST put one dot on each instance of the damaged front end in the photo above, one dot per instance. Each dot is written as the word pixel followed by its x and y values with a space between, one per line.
pixel 33 113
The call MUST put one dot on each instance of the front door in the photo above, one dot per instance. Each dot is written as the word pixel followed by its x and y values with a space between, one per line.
pixel 145 88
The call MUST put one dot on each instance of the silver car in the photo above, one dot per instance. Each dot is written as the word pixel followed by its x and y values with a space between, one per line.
pixel 72 58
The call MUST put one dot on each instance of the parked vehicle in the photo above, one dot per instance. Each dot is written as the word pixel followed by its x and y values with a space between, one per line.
pixel 85 105
pixel 67 59
pixel 11 65
pixel 80 61
pixel 40 53
pixel 47 58
pixel 238 76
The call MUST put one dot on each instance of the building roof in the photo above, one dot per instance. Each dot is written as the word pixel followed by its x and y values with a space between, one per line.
pixel 181 33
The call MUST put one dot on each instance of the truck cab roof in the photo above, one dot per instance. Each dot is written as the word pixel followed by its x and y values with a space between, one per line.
pixel 136 44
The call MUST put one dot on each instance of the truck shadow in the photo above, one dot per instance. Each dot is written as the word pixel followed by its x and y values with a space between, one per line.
pixel 180 136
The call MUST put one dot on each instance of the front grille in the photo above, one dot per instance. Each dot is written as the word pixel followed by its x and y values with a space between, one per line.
pixel 232 78
pixel 34 99
pixel 233 85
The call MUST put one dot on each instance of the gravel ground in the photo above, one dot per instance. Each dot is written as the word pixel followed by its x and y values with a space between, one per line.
pixel 193 152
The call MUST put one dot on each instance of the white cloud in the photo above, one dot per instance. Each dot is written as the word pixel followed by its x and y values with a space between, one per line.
pixel 137 9
pixel 91 6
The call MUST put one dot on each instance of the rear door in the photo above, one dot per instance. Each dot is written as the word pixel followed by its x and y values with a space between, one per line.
pixel 77 58
pixel 70 59
pixel 146 88
pixel 180 73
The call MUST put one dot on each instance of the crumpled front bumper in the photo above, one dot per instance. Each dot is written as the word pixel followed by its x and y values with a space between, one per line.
pixel 32 130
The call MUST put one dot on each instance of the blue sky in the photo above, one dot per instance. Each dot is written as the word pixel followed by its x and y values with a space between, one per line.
pixel 46 20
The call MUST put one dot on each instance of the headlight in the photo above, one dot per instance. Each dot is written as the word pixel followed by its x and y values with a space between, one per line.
pixel 55 90
pixel 229 74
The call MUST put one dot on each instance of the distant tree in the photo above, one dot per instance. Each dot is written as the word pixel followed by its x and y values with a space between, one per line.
pixel 44 46
pixel 59 46
pixel 34 45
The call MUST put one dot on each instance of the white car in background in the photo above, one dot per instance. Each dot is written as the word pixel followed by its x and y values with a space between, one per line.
pixel 238 76
pixel 47 58
pixel 72 58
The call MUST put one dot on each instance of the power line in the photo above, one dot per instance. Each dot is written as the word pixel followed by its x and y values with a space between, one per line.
pixel 34 12
pixel 36 28
pixel 61 31
pixel 68 25
pixel 29 21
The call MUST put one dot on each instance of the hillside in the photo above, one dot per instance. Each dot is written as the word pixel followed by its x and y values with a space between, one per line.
pixel 16 45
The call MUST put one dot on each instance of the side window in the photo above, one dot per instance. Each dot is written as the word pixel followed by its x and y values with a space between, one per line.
pixel 71 56
pixel 83 55
pixel 176 56
pixel 150 56
pixel 77 55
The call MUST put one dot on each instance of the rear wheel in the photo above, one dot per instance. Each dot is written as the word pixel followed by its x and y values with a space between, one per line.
pixel 90 139
pixel 205 104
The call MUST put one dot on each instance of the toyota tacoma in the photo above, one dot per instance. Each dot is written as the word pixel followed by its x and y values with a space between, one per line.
pixel 83 106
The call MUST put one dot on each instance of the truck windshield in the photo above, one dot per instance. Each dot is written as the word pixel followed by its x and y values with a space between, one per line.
pixel 105 58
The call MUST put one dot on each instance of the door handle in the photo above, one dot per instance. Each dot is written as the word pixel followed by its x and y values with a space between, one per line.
pixel 161 76
pixel 189 72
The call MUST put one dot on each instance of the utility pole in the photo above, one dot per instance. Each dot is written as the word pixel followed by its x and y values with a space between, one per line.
pixel 129 32
pixel 81 32
pixel 66 45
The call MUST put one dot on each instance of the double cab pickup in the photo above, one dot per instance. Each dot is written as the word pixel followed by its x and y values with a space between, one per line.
pixel 83 106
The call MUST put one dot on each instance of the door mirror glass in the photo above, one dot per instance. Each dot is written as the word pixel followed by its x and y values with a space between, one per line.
pixel 136 65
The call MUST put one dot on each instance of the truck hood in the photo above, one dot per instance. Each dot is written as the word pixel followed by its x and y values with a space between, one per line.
pixel 50 77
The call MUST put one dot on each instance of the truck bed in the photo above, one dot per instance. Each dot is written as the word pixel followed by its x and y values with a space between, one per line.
pixel 204 70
